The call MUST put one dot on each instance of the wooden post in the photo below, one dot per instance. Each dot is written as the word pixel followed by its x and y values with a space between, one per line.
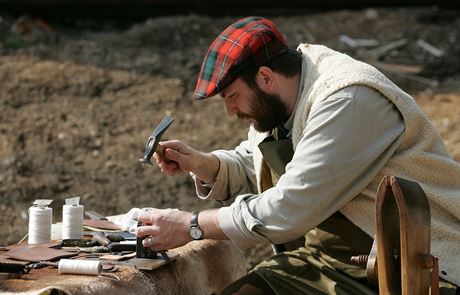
pixel 403 237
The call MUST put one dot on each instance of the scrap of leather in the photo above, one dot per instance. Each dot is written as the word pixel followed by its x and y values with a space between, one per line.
pixel 101 224
pixel 147 263
pixel 37 253
pixel 118 257
pixel 6 259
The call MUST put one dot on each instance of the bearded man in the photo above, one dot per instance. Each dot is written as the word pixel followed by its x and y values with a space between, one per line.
pixel 325 129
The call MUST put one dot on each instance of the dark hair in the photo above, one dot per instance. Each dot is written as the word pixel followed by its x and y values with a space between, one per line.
pixel 288 64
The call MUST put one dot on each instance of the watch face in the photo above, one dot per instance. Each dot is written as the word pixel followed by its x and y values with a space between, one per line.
pixel 195 233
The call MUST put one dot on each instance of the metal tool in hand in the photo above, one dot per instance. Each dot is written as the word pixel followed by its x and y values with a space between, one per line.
pixel 141 251
pixel 146 252
pixel 152 143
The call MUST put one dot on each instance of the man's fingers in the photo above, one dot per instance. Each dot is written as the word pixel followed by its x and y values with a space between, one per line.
pixel 175 145
pixel 160 151
pixel 160 157
pixel 149 242
pixel 146 216
pixel 175 156
pixel 170 165
pixel 170 169
pixel 144 231
pixel 167 165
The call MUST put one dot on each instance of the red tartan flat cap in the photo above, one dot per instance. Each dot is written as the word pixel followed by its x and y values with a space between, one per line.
pixel 249 41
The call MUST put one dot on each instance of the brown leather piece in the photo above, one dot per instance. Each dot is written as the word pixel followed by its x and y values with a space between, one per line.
pixel 51 244
pixel 6 259
pixel 118 257
pixel 101 224
pixel 36 253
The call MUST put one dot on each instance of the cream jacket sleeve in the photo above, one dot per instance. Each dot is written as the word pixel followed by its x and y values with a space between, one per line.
pixel 236 175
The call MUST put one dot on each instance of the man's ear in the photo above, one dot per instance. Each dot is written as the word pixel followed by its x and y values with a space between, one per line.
pixel 265 79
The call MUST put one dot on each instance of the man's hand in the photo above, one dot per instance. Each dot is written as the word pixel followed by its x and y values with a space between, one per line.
pixel 169 228
pixel 179 158
pixel 164 228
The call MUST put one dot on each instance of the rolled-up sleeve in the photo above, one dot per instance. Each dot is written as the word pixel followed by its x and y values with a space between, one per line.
pixel 236 175
pixel 347 140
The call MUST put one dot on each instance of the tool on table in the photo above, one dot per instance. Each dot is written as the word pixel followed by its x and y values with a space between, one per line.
pixel 117 237
pixel 145 252
pixel 77 243
pixel 42 264
pixel 165 256
pixel 93 251
pixel 152 142
pixel 12 271
pixel 119 246
pixel 125 234
pixel 100 238
pixel 122 246
pixel 141 251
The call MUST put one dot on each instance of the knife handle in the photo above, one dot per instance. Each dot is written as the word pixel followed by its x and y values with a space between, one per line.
pixel 101 239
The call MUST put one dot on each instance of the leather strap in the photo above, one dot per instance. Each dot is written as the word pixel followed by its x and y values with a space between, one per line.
pixel 194 220
pixel 195 231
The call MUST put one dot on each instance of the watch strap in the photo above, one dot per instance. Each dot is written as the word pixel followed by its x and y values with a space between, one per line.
pixel 194 228
pixel 194 220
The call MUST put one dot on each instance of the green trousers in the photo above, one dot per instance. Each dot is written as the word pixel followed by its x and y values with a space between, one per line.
pixel 323 265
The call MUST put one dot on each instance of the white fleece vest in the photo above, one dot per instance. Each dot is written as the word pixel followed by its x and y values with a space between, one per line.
pixel 421 156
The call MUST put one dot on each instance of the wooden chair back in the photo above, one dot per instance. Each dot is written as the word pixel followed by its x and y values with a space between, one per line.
pixel 403 239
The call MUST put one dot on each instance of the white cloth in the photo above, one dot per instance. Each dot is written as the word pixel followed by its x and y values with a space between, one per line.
pixel 128 221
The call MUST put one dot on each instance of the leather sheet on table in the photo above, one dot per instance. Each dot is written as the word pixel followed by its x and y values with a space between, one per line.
pixel 101 224
pixel 36 253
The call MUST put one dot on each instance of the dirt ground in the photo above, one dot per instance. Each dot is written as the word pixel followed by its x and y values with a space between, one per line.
pixel 78 99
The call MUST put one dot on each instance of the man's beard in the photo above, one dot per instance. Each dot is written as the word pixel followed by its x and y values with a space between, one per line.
pixel 266 110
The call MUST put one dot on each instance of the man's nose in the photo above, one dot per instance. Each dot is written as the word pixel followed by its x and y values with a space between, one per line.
pixel 231 107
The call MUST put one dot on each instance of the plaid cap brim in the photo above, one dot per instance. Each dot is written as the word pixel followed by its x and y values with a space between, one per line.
pixel 251 41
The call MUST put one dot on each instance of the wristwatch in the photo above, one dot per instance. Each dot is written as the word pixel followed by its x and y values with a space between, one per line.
pixel 195 232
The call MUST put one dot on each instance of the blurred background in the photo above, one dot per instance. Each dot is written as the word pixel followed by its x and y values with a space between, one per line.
pixel 83 84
